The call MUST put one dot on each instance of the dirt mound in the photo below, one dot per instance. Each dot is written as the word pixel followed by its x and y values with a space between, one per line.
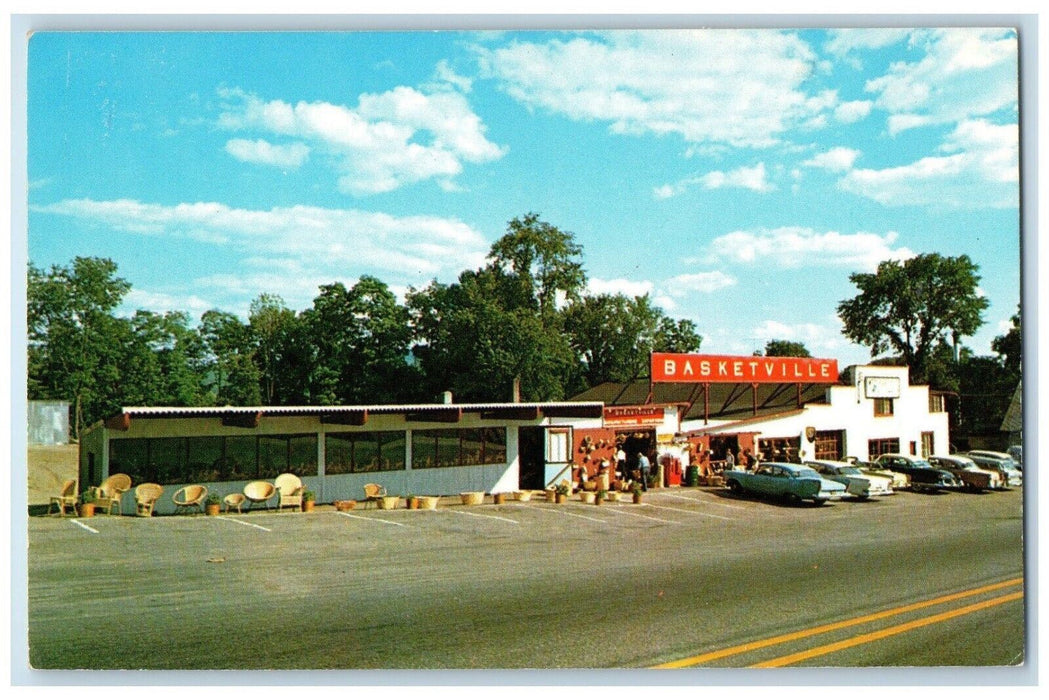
pixel 48 467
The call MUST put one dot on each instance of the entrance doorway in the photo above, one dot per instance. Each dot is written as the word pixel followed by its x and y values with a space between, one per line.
pixel 530 456
pixel 634 442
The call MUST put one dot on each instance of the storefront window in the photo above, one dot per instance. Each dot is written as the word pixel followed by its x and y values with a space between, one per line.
pixel 129 457
pixel 204 459
pixel 458 448
pixel 883 446
pixel 241 460
pixel 347 453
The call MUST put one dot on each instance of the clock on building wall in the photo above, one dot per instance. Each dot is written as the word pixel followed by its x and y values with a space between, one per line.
pixel 881 387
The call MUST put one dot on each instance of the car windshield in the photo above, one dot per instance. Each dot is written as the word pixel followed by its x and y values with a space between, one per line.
pixel 921 464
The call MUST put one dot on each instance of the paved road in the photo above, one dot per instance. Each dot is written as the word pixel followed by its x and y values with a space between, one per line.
pixel 688 574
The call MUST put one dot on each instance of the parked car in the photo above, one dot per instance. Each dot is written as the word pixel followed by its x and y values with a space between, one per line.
pixel 793 481
pixel 1017 453
pixel 999 462
pixel 899 480
pixel 973 477
pixel 857 484
pixel 924 477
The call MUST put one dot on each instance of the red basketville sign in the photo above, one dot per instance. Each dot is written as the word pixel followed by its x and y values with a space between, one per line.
pixel 681 367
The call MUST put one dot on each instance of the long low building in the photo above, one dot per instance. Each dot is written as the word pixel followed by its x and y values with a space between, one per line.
pixel 427 449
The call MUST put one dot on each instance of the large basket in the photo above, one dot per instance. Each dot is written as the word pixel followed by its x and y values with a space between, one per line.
pixel 523 495
pixel 428 502
pixel 472 498
pixel 389 502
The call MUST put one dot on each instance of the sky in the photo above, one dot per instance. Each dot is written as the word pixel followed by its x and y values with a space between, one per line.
pixel 735 176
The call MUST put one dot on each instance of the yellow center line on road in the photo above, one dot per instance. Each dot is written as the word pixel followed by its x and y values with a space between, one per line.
pixel 887 632
pixel 821 629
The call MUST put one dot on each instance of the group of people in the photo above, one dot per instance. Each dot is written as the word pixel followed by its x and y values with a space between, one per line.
pixel 643 466
pixel 744 458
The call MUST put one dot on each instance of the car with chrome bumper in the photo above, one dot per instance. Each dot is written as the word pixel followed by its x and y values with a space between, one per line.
pixel 794 482
pixel 999 462
pixel 924 477
pixel 973 477
pixel 857 484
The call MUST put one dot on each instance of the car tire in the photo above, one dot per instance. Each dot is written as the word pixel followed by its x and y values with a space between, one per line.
pixel 735 488
pixel 819 501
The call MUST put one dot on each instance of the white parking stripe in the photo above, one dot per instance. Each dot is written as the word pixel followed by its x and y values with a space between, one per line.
pixel 563 511
pixel 89 529
pixel 241 522
pixel 376 520
pixel 703 500
pixel 690 512
pixel 622 511
pixel 480 515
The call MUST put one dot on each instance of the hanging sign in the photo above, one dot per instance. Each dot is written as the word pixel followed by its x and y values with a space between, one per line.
pixel 633 415
pixel 681 367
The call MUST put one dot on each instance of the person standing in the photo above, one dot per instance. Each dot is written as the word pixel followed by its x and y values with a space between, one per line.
pixel 643 465
pixel 730 459
pixel 621 462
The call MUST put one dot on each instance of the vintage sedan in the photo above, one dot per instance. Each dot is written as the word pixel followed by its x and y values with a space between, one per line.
pixel 857 484
pixel 899 481
pixel 999 462
pixel 795 482
pixel 924 476
pixel 973 477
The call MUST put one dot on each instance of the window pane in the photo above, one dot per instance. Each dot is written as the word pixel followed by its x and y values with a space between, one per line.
pixel 424 449
pixel 303 454
pixel 494 445
pixel 129 457
pixel 392 449
pixel 448 448
pixel 557 446
pixel 241 458
pixel 472 443
pixel 167 457
pixel 338 453
pixel 273 455
pixel 203 459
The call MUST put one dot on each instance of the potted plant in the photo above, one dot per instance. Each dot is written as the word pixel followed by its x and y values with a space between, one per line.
pixel 428 502
pixel 561 492
pixel 87 504
pixel 499 498
pixel 600 497
pixel 637 493
pixel 411 502
pixel 212 503
pixel 309 498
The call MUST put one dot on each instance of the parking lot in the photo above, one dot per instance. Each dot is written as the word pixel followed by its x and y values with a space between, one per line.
pixel 518 585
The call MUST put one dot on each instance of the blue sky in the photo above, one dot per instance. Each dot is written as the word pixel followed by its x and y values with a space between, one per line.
pixel 738 177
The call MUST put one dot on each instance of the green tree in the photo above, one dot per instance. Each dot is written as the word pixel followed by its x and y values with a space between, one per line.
pixel 786 348
pixel 361 339
pixel 230 375
pixel 613 336
pixel 909 307
pixel 74 341
pixel 1009 348
pixel 274 337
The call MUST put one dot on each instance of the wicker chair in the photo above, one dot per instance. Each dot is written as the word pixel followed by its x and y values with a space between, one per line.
pixel 190 497
pixel 146 496
pixel 65 499
pixel 291 490
pixel 234 500
pixel 373 493
pixel 108 493
pixel 259 492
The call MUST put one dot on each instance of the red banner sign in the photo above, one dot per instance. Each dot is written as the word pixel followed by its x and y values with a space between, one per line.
pixel 633 415
pixel 678 367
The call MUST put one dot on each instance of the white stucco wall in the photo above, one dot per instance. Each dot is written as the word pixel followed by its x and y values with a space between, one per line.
pixel 850 410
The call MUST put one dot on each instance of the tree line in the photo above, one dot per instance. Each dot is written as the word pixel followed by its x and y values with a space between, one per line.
pixel 523 315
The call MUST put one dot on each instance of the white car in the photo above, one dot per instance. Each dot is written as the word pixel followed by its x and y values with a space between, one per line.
pixel 857 483
pixel 974 477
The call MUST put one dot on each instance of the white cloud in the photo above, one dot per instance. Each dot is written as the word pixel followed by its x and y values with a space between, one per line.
pixel 163 302
pixel 446 74
pixel 849 112
pixel 630 288
pixel 792 247
pixel 260 151
pixel 704 282
pixel 847 40
pixel 717 86
pixel 837 159
pixel 818 339
pixel 754 179
pixel 298 247
pixel 980 169
pixel 389 140
pixel 964 73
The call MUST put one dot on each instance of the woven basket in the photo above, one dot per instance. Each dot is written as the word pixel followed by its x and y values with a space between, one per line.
pixel 523 495
pixel 428 502
pixel 345 505
pixel 389 502
pixel 588 497
pixel 472 498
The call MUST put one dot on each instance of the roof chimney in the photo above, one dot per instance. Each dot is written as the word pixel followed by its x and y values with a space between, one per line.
pixel 516 397
pixel 446 398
